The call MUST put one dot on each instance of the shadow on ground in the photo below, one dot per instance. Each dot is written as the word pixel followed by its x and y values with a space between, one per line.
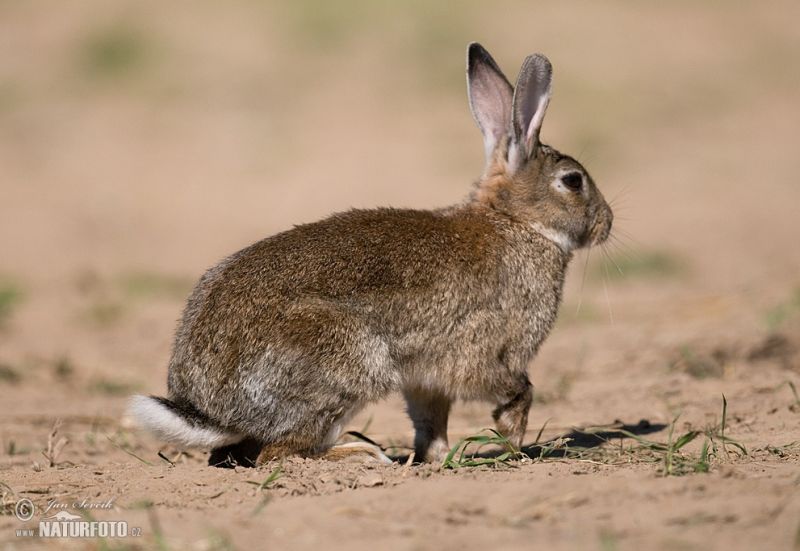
pixel 589 438
pixel 563 445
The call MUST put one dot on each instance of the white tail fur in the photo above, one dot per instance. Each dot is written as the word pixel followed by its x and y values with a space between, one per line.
pixel 168 425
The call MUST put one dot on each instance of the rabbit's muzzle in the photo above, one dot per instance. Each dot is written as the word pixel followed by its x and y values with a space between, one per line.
pixel 601 226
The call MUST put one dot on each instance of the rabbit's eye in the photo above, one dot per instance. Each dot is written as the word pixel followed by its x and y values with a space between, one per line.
pixel 573 181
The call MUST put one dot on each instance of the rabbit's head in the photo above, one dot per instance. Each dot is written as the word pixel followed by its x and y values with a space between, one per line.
pixel 525 179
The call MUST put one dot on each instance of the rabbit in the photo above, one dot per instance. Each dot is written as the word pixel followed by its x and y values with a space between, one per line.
pixel 283 342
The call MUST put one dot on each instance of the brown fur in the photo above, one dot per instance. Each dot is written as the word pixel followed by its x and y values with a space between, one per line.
pixel 283 341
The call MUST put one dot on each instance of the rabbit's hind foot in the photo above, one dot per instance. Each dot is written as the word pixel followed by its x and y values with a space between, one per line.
pixel 355 451
pixel 350 451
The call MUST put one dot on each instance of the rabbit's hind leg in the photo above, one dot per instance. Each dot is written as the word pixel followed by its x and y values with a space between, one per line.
pixel 278 451
pixel 316 435
pixel 350 450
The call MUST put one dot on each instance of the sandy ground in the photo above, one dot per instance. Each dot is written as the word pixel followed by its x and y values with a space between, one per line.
pixel 140 143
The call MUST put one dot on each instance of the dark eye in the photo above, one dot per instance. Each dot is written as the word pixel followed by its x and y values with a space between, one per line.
pixel 572 180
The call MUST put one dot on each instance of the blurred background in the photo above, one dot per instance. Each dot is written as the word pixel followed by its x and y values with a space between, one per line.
pixel 141 142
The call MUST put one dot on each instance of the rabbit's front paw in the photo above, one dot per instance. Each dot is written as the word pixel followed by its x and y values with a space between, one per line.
pixel 511 417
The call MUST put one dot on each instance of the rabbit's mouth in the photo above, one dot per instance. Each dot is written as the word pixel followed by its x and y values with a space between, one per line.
pixel 600 229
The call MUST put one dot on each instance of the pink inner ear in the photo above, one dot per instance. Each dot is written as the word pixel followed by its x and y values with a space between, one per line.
pixel 532 135
pixel 491 102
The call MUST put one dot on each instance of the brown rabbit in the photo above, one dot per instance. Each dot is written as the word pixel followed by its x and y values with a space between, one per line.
pixel 282 342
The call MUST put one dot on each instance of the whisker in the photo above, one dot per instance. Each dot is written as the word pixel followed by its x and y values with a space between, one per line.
pixel 620 244
pixel 618 202
pixel 623 231
pixel 614 262
pixel 625 189
pixel 608 300
pixel 620 232
pixel 626 256
pixel 583 280
pixel 580 155
pixel 618 208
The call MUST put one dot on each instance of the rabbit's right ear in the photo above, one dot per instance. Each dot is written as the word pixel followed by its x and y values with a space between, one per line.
pixel 531 96
pixel 490 97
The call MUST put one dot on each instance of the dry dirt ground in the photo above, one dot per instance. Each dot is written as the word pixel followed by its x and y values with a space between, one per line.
pixel 142 141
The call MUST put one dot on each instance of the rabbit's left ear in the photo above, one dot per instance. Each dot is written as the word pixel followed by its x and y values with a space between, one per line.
pixel 531 96
pixel 490 96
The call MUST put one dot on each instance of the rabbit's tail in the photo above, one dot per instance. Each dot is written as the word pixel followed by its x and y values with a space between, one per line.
pixel 179 422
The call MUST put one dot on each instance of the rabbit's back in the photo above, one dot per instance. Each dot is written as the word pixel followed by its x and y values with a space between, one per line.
pixel 356 305
pixel 321 305
pixel 360 252
pixel 361 258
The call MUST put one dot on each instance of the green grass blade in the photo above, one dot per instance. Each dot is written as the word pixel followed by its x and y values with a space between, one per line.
pixel 685 439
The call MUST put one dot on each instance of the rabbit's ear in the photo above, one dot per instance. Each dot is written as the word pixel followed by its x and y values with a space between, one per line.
pixel 490 96
pixel 531 96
